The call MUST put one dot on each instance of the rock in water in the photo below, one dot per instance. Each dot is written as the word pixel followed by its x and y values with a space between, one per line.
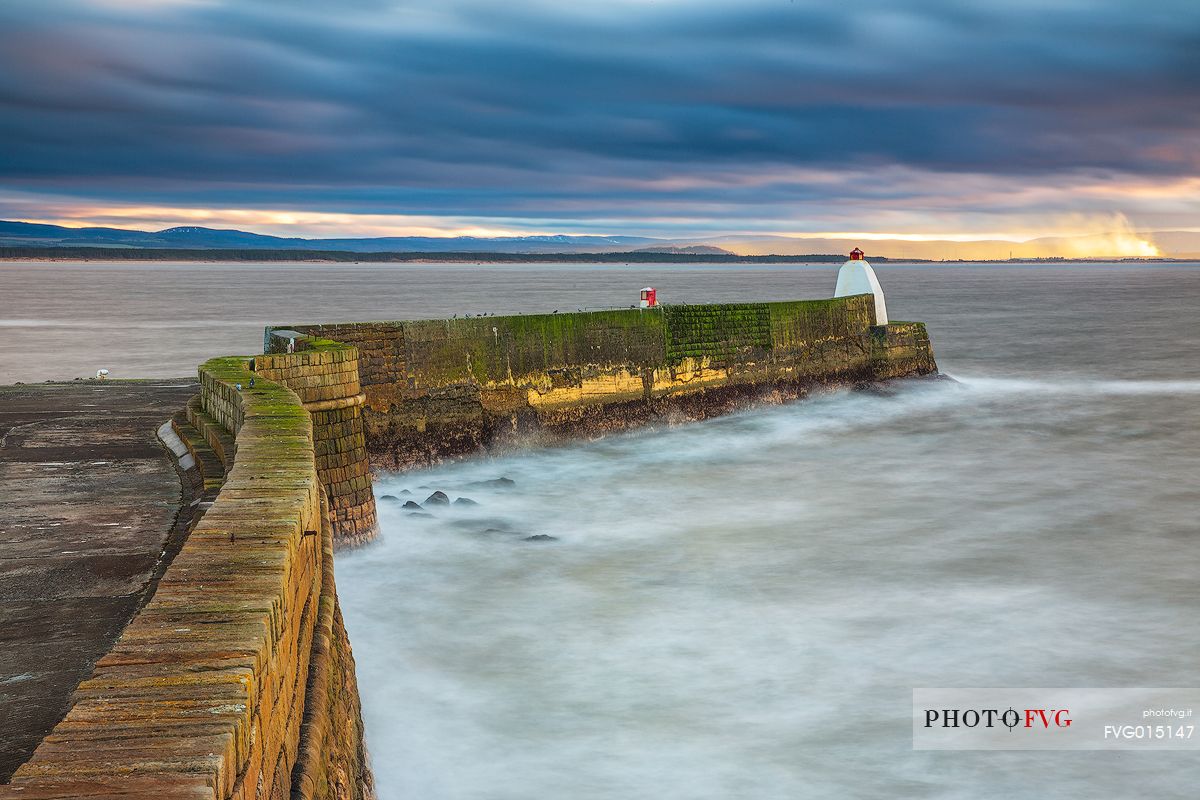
pixel 420 515
pixel 437 499
pixel 414 506
pixel 540 537
pixel 465 501
pixel 389 498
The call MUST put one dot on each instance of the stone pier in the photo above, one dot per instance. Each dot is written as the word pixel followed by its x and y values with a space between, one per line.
pixel 169 617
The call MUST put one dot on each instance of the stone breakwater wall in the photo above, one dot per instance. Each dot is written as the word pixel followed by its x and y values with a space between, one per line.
pixel 325 376
pixel 441 388
pixel 236 680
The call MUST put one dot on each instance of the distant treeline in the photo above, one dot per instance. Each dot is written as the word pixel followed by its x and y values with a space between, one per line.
pixel 204 254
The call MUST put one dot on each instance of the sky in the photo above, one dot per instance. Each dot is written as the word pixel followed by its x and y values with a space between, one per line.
pixel 925 119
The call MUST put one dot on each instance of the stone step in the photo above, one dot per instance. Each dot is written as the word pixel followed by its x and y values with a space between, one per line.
pixel 220 440
pixel 208 463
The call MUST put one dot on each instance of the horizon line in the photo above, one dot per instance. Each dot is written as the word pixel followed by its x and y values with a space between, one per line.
pixel 927 238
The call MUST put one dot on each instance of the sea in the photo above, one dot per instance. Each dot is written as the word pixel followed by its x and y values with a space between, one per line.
pixel 742 608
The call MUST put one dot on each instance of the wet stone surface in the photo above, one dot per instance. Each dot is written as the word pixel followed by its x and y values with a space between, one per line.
pixel 88 499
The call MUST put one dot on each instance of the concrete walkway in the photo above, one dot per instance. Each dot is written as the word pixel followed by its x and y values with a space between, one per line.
pixel 88 516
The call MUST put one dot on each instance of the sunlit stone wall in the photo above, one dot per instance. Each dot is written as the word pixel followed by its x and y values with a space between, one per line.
pixel 325 376
pixel 440 388
pixel 236 680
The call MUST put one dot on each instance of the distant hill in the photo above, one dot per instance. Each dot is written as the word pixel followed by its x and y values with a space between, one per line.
pixel 1173 244
pixel 195 237
pixel 251 254
pixel 686 250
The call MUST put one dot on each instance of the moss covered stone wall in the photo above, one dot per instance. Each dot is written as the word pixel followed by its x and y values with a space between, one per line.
pixel 325 376
pixel 437 388
pixel 721 333
pixel 219 687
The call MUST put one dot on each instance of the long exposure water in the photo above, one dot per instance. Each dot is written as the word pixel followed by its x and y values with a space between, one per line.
pixel 741 608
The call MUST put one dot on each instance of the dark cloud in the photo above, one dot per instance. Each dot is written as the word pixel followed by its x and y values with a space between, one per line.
pixel 586 109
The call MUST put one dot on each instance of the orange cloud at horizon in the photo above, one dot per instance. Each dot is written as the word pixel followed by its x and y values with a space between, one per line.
pixel 1069 236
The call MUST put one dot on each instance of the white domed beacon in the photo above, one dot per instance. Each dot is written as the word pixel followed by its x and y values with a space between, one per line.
pixel 857 277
